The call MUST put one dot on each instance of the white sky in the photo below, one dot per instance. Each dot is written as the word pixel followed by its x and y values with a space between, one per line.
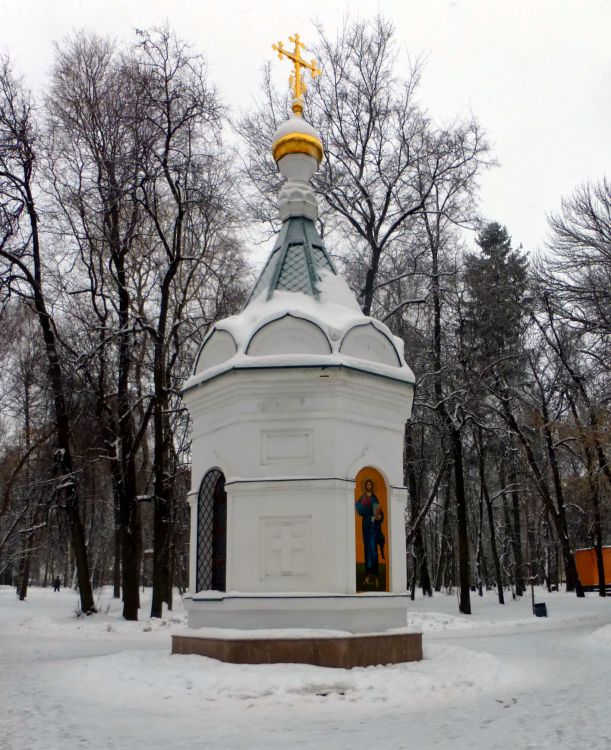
pixel 536 73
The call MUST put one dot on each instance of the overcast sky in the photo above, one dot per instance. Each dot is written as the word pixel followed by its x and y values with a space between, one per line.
pixel 536 73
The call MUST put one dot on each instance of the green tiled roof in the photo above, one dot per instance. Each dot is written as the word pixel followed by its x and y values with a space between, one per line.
pixel 296 261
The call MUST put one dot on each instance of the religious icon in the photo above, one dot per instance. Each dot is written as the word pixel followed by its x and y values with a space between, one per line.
pixel 370 502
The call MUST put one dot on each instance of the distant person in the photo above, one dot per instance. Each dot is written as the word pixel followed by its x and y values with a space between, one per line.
pixel 56 583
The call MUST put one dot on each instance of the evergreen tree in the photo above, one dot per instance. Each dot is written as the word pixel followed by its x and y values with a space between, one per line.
pixel 496 282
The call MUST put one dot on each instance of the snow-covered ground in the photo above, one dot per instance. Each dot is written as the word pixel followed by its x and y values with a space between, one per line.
pixel 498 679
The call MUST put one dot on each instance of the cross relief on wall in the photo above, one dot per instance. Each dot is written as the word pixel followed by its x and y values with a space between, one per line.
pixel 286 544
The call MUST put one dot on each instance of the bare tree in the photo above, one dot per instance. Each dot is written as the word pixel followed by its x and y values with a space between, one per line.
pixel 578 271
pixel 23 274
pixel 186 192
pixel 97 149
pixel 570 352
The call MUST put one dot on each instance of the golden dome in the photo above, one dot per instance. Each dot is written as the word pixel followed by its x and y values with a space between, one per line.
pixel 296 136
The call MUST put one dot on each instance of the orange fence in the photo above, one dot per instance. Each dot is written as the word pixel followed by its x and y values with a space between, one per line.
pixel 585 560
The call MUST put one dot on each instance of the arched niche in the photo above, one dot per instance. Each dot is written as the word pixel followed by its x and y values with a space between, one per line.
pixel 211 533
pixel 371 530
pixel 368 342
pixel 289 335
pixel 218 348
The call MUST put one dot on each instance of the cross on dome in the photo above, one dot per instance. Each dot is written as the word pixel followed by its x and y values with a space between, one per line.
pixel 296 78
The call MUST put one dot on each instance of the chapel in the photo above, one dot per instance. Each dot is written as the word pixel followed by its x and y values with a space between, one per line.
pixel 299 405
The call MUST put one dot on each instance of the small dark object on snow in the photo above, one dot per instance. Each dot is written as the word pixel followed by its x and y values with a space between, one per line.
pixel 56 583
pixel 540 610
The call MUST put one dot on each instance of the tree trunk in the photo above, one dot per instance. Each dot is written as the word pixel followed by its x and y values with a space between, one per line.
pixel 495 554
pixel 600 563
pixel 420 559
pixel 444 550
pixel 516 530
pixel 130 557
pixel 461 522
pixel 62 421
pixel 454 433
pixel 598 531
pixel 63 457
pixel 572 577
pixel 480 546
pixel 161 559
pixel 486 495
pixel 127 488
pixel 116 567
pixel 163 483
pixel 370 279
pixel 25 570
pixel 162 515
pixel 559 522
pixel 593 483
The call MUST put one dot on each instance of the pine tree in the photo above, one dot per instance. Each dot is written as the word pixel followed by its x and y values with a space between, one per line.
pixel 496 282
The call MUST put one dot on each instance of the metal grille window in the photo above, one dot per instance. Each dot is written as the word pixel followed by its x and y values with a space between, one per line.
pixel 211 532
pixel 321 260
pixel 294 276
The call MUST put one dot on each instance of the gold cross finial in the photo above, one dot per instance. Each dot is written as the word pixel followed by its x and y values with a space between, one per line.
pixel 296 79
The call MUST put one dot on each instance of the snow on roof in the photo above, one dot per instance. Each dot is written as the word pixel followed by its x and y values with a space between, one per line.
pixel 300 312
pixel 334 311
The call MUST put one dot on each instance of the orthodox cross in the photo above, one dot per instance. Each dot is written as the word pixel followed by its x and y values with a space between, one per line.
pixel 296 79
pixel 287 545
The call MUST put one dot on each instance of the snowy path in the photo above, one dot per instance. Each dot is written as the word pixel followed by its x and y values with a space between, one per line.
pixel 499 679
pixel 563 702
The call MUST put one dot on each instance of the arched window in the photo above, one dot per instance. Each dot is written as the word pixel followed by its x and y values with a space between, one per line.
pixel 212 532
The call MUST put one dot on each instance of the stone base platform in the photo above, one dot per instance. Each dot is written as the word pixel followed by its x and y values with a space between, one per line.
pixel 354 613
pixel 344 651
